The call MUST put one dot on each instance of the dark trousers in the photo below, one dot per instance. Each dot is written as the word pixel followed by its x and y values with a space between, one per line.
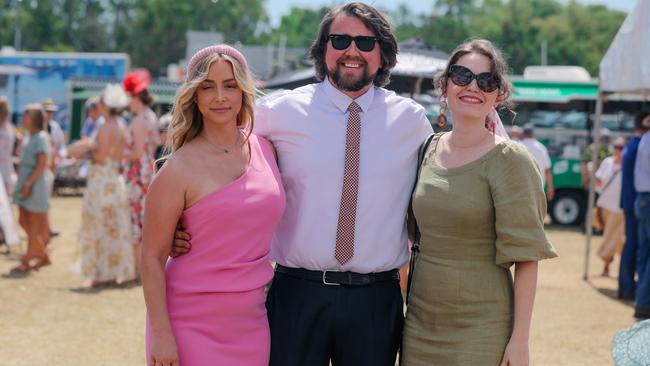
pixel 627 270
pixel 642 211
pixel 313 323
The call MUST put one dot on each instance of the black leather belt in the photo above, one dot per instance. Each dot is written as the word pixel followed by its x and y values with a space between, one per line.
pixel 334 278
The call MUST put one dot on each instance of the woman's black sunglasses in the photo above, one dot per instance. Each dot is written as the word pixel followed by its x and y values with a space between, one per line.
pixel 462 76
pixel 342 41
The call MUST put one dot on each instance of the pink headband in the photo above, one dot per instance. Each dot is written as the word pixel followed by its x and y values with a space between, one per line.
pixel 220 48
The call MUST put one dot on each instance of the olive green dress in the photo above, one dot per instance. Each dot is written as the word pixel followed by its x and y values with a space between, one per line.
pixel 476 220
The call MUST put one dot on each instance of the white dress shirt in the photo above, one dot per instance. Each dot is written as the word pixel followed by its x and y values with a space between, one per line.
pixel 307 126
pixel 58 138
pixel 539 153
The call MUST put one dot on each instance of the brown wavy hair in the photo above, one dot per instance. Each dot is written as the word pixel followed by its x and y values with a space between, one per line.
pixel 187 121
pixel 487 49
pixel 146 97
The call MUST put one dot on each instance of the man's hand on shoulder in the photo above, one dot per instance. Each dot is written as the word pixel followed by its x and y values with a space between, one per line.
pixel 181 244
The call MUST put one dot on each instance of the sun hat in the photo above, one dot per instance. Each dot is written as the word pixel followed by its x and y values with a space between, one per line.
pixel 137 81
pixel 49 105
pixel 632 346
pixel 223 49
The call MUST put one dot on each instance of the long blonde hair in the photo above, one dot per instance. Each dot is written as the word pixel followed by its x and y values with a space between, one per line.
pixel 187 121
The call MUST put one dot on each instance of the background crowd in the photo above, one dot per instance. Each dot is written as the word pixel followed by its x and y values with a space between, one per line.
pixel 115 156
pixel 622 182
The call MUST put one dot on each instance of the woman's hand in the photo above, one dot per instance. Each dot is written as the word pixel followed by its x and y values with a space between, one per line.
pixel 516 353
pixel 163 350
pixel 26 191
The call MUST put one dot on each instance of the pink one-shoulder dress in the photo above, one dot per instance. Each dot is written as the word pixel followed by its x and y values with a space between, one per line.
pixel 215 293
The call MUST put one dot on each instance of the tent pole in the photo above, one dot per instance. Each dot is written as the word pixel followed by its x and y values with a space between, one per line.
pixel 592 191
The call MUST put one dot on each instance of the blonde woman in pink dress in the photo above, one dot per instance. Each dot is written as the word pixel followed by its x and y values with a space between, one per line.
pixel 222 183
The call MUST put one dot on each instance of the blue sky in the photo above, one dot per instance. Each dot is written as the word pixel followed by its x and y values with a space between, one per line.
pixel 277 8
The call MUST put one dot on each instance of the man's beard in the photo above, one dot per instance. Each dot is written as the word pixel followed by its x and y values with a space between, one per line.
pixel 349 84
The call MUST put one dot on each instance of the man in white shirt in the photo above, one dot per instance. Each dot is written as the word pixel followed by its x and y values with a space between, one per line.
pixel 347 150
pixel 54 128
pixel 323 305
pixel 59 151
pixel 540 154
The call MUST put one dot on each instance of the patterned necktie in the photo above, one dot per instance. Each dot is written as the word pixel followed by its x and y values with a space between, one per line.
pixel 348 211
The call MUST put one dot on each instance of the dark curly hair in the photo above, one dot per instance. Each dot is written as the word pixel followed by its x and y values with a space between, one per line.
pixel 372 19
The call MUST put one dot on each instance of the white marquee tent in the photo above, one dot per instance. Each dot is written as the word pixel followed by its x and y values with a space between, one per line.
pixel 625 68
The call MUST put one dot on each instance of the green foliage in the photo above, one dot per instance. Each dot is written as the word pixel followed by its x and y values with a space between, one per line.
pixel 575 34
pixel 153 31
pixel 299 26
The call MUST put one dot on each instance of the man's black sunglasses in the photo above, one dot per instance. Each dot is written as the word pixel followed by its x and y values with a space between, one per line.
pixel 342 41
pixel 462 76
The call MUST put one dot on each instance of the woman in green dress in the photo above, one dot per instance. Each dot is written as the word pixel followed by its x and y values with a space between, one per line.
pixel 480 206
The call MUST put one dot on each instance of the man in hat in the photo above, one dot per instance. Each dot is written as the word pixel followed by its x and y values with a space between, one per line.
pixel 59 151
pixel 336 294
pixel 540 154
pixel 53 127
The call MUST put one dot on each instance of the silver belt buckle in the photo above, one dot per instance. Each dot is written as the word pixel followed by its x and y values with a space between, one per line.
pixel 329 283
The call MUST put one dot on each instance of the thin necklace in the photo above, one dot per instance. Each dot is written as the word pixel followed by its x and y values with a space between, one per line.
pixel 225 149
pixel 471 145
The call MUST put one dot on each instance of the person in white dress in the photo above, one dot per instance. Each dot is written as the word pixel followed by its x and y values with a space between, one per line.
pixel 608 185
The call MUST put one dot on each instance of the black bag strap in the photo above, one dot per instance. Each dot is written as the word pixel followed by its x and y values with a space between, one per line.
pixel 415 249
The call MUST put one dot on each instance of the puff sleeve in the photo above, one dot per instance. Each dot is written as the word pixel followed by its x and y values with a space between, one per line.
pixel 519 208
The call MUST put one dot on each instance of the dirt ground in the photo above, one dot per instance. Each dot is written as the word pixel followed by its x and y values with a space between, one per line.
pixel 46 320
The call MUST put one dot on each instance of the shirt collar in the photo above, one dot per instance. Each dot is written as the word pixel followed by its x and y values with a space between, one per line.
pixel 342 101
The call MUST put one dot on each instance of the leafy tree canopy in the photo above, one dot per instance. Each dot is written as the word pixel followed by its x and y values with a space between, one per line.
pixel 153 31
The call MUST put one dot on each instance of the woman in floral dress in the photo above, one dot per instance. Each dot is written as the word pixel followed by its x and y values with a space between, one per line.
pixel 105 250
pixel 140 156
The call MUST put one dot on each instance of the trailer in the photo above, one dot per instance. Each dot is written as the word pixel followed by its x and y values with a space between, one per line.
pixel 47 74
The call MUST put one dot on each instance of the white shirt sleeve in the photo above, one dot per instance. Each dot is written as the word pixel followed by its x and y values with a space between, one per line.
pixel 261 121
pixel 546 160
pixel 605 169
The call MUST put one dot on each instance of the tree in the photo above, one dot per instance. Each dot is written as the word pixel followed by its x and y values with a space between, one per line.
pixel 153 31
pixel 575 34
pixel 155 35
pixel 83 26
pixel 299 26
